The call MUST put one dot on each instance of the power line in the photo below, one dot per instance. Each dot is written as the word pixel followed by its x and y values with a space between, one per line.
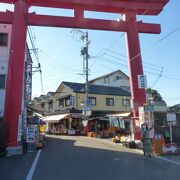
pixel 34 49
pixel 53 60
pixel 145 62
pixel 156 43
pixel 149 72
pixel 126 61
pixel 159 76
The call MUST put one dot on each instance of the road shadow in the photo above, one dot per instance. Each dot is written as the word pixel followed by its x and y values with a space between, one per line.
pixel 68 159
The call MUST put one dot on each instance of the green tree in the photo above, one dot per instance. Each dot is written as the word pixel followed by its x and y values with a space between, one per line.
pixel 154 94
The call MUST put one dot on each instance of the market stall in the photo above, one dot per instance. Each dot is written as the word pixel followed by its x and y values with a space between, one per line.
pixel 98 127
pixel 60 124
pixel 120 123
pixel 54 126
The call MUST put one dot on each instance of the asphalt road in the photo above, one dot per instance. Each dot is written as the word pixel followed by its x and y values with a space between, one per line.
pixel 83 158
pixel 16 167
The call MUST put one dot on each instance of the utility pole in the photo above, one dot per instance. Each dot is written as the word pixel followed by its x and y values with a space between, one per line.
pixel 84 53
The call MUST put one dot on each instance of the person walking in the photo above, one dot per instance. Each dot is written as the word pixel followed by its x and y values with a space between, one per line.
pixel 147 145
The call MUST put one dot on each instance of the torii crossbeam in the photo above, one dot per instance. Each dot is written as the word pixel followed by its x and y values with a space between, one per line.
pixel 21 18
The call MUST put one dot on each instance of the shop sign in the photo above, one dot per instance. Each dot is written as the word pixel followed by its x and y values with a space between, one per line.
pixel 88 112
pixel 169 149
pixel 28 81
pixel 31 133
pixel 19 134
pixel 148 108
pixel 76 115
pixel 171 117
pixel 142 81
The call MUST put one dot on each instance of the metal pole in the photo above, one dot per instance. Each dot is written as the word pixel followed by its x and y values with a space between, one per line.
pixel 87 73
pixel 170 131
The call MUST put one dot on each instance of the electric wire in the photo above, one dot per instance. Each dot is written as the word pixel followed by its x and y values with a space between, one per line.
pixel 32 37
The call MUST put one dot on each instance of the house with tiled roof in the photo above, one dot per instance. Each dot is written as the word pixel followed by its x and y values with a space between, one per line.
pixel 113 79
pixel 71 97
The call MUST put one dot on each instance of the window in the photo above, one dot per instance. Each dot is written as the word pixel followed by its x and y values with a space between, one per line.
pixel 67 102
pixel 61 103
pixel 109 101
pixel 2 81
pixel 118 77
pixel 92 101
pixel 106 80
pixel 3 39
pixel 50 105
pixel 125 102
pixel 42 105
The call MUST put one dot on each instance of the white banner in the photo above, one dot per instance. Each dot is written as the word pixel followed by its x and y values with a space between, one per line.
pixel 142 81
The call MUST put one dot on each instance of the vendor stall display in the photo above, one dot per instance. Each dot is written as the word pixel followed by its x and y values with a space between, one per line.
pixel 119 125
pixel 60 124
pixel 35 136
pixel 98 127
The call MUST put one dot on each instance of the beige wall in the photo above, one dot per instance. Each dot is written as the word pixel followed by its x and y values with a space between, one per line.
pixel 101 102
pixel 56 101
pixel 80 97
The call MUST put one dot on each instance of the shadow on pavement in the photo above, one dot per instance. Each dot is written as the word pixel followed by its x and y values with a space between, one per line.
pixel 68 159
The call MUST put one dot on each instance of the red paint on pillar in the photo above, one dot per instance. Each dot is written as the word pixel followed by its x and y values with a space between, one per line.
pixel 135 61
pixel 14 85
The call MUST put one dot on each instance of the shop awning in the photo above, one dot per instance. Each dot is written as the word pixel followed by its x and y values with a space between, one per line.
pixel 55 118
pixel 121 115
pixel 99 119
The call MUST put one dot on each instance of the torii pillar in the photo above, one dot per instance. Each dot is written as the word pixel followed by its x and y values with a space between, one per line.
pixel 20 18
pixel 134 61
pixel 14 85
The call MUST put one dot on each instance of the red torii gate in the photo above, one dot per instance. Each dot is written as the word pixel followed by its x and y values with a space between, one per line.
pixel 21 18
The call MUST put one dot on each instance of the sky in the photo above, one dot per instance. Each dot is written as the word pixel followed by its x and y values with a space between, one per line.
pixel 60 59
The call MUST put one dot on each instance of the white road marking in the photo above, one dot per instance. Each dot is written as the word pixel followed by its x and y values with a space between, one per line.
pixel 31 172
pixel 164 159
pixel 141 152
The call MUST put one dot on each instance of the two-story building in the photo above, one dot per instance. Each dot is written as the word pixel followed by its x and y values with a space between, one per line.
pixel 113 79
pixel 71 97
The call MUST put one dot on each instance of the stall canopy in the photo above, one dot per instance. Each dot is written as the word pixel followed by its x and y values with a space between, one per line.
pixel 122 115
pixel 119 119
pixel 55 118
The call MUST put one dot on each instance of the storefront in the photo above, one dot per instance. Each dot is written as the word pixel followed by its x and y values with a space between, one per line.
pixel 35 136
pixel 120 123
pixel 61 124
pixel 98 127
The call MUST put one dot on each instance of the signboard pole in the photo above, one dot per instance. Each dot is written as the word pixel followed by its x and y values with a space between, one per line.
pixel 170 126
